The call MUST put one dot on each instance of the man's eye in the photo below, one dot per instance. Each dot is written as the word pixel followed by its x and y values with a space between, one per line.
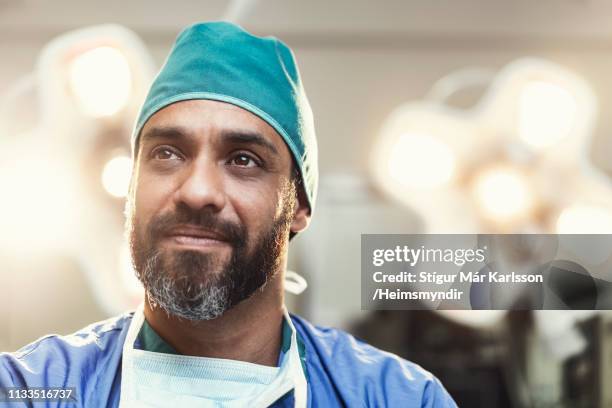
pixel 243 160
pixel 164 153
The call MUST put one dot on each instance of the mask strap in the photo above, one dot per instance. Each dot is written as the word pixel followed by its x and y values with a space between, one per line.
pixel 127 356
pixel 295 283
pixel 299 377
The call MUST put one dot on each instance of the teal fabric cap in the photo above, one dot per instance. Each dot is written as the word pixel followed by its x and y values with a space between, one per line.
pixel 221 61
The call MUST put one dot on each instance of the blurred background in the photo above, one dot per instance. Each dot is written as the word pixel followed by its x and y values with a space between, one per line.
pixel 476 116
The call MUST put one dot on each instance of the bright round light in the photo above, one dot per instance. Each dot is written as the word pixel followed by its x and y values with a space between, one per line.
pixel 116 176
pixel 421 161
pixel 546 113
pixel 585 219
pixel 502 194
pixel 101 81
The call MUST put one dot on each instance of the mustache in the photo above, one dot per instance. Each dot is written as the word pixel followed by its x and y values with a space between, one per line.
pixel 204 219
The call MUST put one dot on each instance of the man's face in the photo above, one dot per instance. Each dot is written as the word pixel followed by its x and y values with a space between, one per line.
pixel 211 206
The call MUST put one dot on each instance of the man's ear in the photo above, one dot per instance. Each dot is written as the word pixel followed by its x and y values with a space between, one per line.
pixel 301 214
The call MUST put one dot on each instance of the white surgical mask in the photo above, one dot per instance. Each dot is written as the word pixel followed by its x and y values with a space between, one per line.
pixel 151 379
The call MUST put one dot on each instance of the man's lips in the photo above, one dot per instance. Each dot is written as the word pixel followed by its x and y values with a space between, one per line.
pixel 195 237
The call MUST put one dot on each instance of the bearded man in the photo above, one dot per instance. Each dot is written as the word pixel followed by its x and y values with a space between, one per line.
pixel 225 174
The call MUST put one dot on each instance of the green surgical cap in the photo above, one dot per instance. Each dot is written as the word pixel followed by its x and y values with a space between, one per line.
pixel 222 62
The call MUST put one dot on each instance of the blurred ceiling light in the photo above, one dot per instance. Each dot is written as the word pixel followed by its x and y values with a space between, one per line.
pixel 546 113
pixel 420 161
pixel 80 76
pixel 116 176
pixel 502 193
pixel 533 116
pixel 585 219
pixel 101 80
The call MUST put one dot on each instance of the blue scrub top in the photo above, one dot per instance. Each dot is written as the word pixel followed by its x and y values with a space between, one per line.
pixel 341 370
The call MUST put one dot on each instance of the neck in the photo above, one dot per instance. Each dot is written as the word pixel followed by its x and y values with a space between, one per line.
pixel 250 331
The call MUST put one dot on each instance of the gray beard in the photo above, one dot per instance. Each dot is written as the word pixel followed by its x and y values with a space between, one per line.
pixel 195 302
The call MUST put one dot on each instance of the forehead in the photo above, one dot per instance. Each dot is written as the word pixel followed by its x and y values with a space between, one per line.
pixel 209 118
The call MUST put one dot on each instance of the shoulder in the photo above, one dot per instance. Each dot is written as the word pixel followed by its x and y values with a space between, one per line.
pixel 355 366
pixel 55 358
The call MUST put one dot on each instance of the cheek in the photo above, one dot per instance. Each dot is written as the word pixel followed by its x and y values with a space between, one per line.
pixel 256 206
pixel 150 197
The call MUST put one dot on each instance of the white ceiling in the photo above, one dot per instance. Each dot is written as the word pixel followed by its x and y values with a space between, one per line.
pixel 339 21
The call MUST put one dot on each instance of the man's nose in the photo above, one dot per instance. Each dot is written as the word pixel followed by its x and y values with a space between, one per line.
pixel 202 187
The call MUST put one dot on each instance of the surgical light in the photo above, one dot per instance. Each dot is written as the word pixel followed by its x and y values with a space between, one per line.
pixel 584 219
pixel 494 165
pixel 86 74
pixel 116 176
pixel 502 194
pixel 420 161
pixel 101 81
pixel 546 113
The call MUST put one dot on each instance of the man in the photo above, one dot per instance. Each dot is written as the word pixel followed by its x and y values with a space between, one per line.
pixel 225 174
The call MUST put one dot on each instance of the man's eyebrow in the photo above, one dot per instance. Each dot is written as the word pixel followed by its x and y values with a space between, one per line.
pixel 230 136
pixel 246 137
pixel 166 132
